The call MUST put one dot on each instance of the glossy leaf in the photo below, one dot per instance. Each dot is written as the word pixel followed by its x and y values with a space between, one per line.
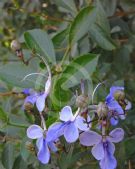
pixel 81 24
pixel 39 41
pixel 80 68
pixel 8 155
pixel 68 5
pixel 101 37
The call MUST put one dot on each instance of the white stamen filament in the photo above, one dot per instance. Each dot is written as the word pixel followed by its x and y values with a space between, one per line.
pixel 32 74
pixel 96 90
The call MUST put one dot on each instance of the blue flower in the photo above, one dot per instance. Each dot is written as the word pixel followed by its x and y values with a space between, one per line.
pixel 103 147
pixel 38 98
pixel 43 144
pixel 69 125
pixel 113 105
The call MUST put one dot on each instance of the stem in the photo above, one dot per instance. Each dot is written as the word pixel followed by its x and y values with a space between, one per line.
pixel 42 121
pixel 65 55
pixel 47 17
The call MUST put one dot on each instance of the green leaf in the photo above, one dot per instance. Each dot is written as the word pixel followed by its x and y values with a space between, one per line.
pixel 1 166
pixel 40 42
pixel 19 163
pixel 60 37
pixel 101 18
pixel 80 68
pixel 3 115
pixel 100 30
pixel 8 156
pixel 13 74
pixel 101 37
pixel 81 24
pixel 130 148
pixel 69 5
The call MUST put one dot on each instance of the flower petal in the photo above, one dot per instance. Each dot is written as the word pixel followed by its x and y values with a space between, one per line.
pixel 116 135
pixel 108 162
pixel 90 138
pixel 114 121
pixel 27 91
pixel 52 146
pixel 113 89
pixel 34 132
pixel 129 105
pixel 31 99
pixel 55 131
pixel 40 102
pixel 114 106
pixel 66 114
pixel 80 123
pixel 98 151
pixel 43 153
pixel 71 132
pixel 110 147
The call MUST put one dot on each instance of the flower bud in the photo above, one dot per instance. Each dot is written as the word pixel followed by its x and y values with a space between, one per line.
pixel 30 147
pixel 58 68
pixel 82 101
pixel 15 45
pixel 119 95
pixel 28 107
pixel 102 110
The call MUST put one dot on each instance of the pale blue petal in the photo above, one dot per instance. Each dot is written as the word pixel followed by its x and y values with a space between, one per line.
pixel 52 146
pixel 114 106
pixel 98 151
pixel 128 106
pixel 108 162
pixel 34 132
pixel 40 102
pixel 114 89
pixel 116 135
pixel 114 121
pixel 26 91
pixel 81 124
pixel 90 138
pixel 43 151
pixel 71 133
pixel 55 131
pixel 66 114
pixel 31 99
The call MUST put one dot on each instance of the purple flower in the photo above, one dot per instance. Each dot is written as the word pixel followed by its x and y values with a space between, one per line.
pixel 43 145
pixel 38 98
pixel 103 147
pixel 113 105
pixel 70 125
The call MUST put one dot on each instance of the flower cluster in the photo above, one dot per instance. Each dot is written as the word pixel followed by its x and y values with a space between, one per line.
pixel 79 126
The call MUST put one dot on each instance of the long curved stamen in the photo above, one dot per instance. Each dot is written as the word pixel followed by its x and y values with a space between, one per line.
pixel 96 90
pixel 31 75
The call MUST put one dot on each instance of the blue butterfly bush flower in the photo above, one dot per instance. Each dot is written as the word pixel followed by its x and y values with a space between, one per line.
pixel 116 111
pixel 70 125
pixel 38 98
pixel 103 147
pixel 43 144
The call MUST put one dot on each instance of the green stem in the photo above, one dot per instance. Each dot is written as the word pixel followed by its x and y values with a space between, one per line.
pixel 65 55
